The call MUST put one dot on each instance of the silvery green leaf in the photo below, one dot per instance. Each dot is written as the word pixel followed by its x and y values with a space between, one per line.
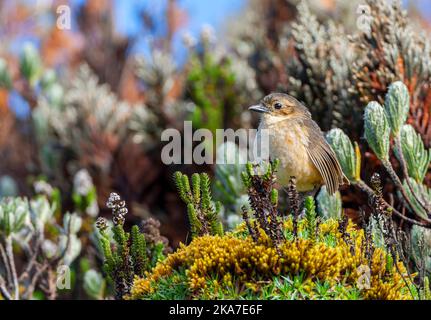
pixel 42 187
pixel 82 182
pixel 75 223
pixel 344 150
pixel 329 206
pixel 41 212
pixel 48 79
pixel 93 209
pixel 397 105
pixel 94 284
pixel 49 249
pixel 74 248
pixel 14 215
pixel 55 94
pixel 377 130
pixel 421 191
pixel 377 227
pixel 421 237
pixel 416 156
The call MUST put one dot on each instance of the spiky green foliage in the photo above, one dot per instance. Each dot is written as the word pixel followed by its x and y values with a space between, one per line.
pixel 310 218
pixel 263 199
pixel 138 250
pixel 217 85
pixel 204 79
pixel 425 293
pixel 129 255
pixel 118 260
pixel 203 213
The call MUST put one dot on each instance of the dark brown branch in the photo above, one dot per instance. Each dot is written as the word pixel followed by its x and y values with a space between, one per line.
pixel 366 189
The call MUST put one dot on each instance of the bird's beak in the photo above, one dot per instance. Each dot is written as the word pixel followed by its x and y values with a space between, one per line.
pixel 259 108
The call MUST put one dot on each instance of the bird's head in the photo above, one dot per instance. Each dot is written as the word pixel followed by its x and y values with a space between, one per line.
pixel 280 105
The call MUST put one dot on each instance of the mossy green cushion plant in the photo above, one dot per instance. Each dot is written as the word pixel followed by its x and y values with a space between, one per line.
pixel 323 266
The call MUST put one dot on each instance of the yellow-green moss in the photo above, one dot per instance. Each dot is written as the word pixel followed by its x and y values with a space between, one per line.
pixel 238 261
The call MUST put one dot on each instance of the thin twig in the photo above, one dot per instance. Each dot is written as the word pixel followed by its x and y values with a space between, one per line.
pixel 9 253
pixel 6 263
pixel 33 258
pixel 5 293
pixel 67 247
pixel 365 188
pixel 33 282
pixel 399 184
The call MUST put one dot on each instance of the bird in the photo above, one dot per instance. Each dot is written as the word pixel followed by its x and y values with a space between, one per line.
pixel 297 141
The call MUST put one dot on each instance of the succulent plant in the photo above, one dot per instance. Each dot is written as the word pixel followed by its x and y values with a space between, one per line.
pixel 203 213
pixel 348 156
pixel 94 284
pixel 126 254
pixel 421 191
pixel 14 215
pixel 421 248
pixel 397 106
pixel 41 212
pixel 30 226
pixel 84 193
pixel 416 156
pixel 329 206
pixel 377 130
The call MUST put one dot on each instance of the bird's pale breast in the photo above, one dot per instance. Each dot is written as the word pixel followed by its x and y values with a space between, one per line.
pixel 288 142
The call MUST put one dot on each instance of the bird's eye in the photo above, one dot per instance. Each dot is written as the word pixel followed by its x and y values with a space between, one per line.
pixel 277 105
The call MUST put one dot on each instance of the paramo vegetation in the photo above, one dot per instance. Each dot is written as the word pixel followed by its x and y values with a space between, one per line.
pixel 86 198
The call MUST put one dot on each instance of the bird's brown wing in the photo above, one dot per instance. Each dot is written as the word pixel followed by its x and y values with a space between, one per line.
pixel 324 158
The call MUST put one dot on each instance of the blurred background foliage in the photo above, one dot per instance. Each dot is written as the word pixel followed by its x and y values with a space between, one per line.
pixel 82 109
